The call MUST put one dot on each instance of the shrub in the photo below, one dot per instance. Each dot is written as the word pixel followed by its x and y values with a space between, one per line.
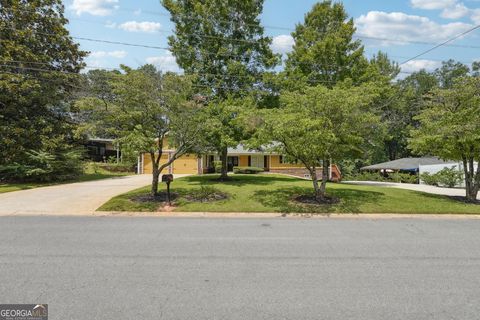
pixel 43 166
pixel 366 176
pixel 402 177
pixel 217 165
pixel 247 170
pixel 430 179
pixel 449 177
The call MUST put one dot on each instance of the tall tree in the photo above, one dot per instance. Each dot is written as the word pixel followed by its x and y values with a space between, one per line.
pixel 399 114
pixel 450 128
pixel 449 71
pixel 38 62
pixel 319 125
pixel 324 51
pixel 223 44
pixel 148 109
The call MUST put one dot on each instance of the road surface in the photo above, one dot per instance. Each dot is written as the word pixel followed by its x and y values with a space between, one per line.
pixel 180 268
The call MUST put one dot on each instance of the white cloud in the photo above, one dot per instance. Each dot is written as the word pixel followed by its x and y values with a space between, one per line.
pixel 118 54
pixel 433 4
pixel 282 43
pixel 451 9
pixel 94 7
pixel 456 12
pixel 164 63
pixel 144 26
pixel 476 16
pixel 399 26
pixel 417 65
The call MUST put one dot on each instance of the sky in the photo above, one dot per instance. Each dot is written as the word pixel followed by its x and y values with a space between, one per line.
pixel 401 28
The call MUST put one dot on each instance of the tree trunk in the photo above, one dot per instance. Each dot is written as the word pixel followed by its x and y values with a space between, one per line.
pixel 325 175
pixel 472 185
pixel 319 190
pixel 155 176
pixel 224 158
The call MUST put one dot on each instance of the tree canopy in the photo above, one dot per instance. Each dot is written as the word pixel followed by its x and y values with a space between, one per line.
pixel 148 108
pixel 450 128
pixel 321 124
pixel 37 76
pixel 324 52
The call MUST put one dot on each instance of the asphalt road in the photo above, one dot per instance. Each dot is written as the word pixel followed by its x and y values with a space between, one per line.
pixel 167 268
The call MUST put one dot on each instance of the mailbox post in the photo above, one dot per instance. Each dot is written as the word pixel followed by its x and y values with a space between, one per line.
pixel 168 178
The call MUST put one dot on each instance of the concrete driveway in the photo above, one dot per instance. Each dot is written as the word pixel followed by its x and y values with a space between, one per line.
pixel 415 187
pixel 69 199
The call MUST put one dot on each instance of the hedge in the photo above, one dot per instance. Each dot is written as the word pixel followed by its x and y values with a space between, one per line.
pixel 247 170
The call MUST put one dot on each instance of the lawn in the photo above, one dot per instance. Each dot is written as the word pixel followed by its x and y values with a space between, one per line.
pixel 91 173
pixel 274 193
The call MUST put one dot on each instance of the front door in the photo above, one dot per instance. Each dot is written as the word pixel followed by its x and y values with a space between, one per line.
pixel 232 162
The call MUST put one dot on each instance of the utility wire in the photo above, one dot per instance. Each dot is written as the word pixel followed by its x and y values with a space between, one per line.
pixel 215 76
pixel 440 44
pixel 248 41
pixel 424 53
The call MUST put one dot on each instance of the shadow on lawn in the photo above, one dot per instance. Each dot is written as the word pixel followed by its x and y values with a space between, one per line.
pixel 237 180
pixel 282 200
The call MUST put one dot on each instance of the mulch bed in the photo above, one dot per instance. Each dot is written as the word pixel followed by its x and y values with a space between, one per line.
pixel 217 196
pixel 310 199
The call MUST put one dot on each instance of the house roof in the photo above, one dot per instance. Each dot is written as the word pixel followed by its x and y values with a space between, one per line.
pixel 101 140
pixel 406 164
pixel 241 149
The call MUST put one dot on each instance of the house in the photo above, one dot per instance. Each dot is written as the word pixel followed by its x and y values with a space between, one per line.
pixel 237 157
pixel 100 149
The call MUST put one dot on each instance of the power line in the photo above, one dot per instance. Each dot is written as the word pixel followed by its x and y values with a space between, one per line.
pixel 440 45
pixel 215 76
pixel 252 41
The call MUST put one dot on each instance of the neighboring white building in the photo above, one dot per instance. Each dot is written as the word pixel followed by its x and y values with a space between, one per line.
pixel 434 168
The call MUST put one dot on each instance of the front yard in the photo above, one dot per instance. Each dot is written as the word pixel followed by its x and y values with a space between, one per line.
pixel 276 193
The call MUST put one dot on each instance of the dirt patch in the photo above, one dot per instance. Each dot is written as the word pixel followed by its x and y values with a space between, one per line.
pixel 161 197
pixel 311 200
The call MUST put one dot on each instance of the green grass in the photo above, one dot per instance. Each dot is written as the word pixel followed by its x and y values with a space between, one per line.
pixel 274 193
pixel 91 174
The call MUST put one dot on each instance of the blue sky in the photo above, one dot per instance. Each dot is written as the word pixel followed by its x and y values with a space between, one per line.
pixel 401 21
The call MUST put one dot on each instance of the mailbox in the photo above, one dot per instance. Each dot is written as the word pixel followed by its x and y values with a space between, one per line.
pixel 167 178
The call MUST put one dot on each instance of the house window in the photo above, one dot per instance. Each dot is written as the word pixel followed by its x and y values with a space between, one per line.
pixel 281 159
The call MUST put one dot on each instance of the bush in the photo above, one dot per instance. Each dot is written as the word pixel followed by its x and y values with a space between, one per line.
pixel 449 177
pixel 430 179
pixel 366 176
pixel 247 170
pixel 402 177
pixel 375 176
pixel 217 165
pixel 43 166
